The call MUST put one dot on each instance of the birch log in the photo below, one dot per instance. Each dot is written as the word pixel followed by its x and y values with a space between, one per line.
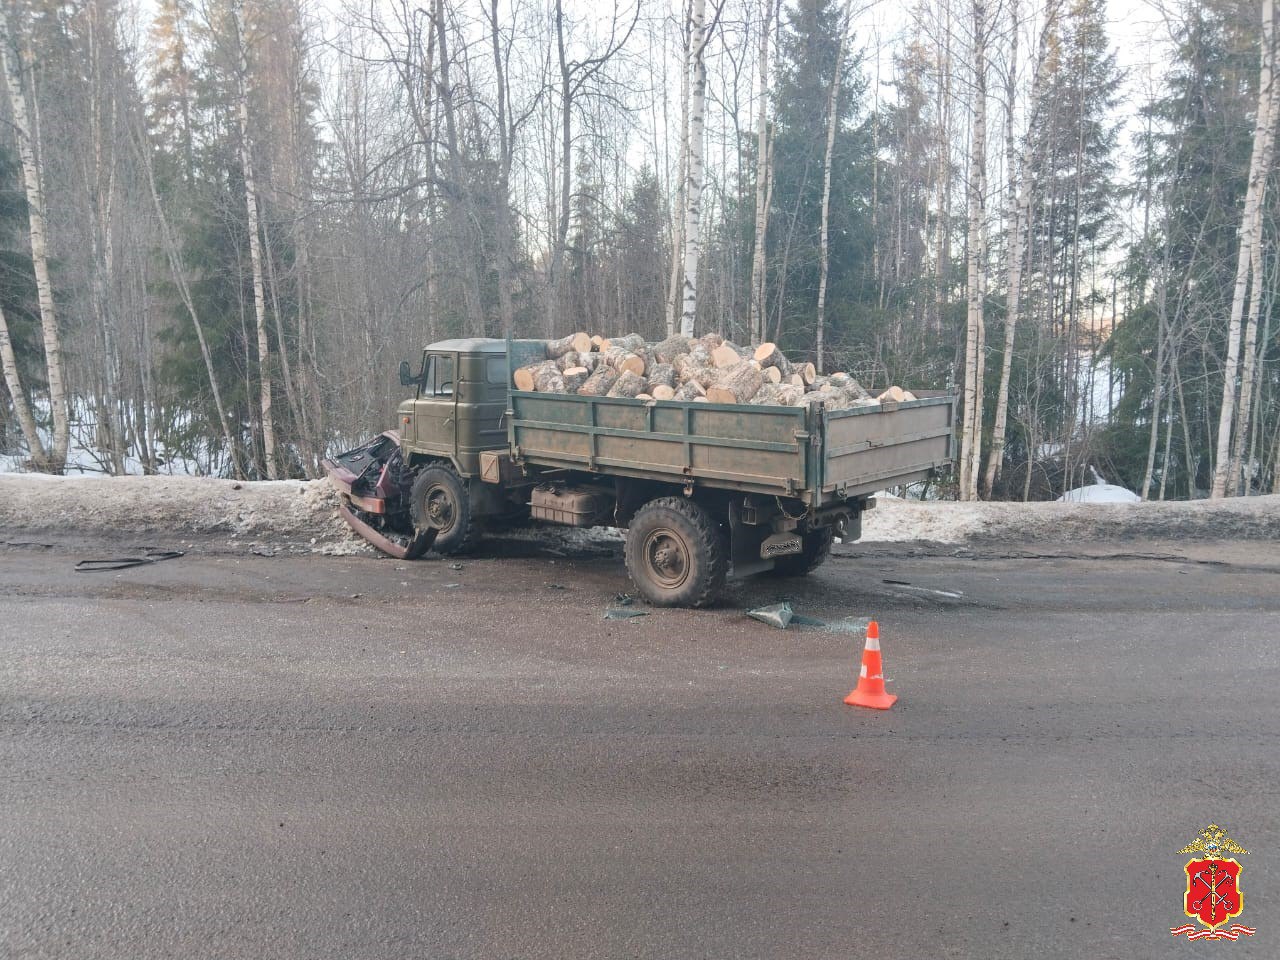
pixel 736 384
pixel 600 382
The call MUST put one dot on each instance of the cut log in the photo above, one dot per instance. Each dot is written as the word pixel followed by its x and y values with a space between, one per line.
pixel 623 360
pixel 526 377
pixel 701 400
pixel 767 395
pixel 632 342
pixel 549 380
pixel 769 355
pixel 773 374
pixel 600 382
pixel 895 393
pixel 689 390
pixel 808 372
pixel 628 384
pixel 577 342
pixel 672 347
pixel 687 368
pixel 664 374
pixel 574 378
pixel 725 356
pixel 643 396
pixel 820 397
pixel 568 359
pixel 789 395
pixel 736 384
pixel 710 341
pixel 846 384
pixel 597 342
pixel 663 392
pixel 798 381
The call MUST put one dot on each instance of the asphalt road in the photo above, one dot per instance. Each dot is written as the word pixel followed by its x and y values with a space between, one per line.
pixel 354 758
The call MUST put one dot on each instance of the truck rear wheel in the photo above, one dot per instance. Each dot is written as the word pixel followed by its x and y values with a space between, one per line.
pixel 676 553
pixel 439 500
pixel 814 550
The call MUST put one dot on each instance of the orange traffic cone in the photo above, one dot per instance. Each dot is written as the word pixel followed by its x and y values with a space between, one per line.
pixel 870 690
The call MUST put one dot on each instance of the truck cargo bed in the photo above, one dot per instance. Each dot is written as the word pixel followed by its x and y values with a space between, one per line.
pixel 819 456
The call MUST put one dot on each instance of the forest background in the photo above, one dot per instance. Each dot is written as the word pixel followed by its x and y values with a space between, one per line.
pixel 223 223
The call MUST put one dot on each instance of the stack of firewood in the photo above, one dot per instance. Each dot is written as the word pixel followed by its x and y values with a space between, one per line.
pixel 707 369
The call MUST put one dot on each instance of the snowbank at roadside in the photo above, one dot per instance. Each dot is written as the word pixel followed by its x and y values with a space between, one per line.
pixel 298 515
pixel 1247 518
pixel 275 514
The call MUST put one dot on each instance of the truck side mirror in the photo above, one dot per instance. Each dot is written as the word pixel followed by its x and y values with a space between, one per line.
pixel 407 378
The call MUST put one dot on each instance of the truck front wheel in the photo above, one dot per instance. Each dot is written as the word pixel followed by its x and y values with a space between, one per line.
pixel 676 553
pixel 814 550
pixel 440 501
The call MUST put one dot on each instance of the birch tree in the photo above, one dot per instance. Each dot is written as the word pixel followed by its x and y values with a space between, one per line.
pixel 1020 197
pixel 21 408
pixel 971 424
pixel 764 168
pixel 1264 133
pixel 56 458
pixel 255 248
pixel 693 175
pixel 824 249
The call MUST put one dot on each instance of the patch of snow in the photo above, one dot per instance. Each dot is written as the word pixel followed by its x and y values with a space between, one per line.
pixel 1100 493
pixel 1236 518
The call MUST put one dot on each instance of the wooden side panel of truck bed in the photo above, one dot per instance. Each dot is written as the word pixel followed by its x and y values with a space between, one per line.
pixel 866 449
pixel 758 449
pixel 788 451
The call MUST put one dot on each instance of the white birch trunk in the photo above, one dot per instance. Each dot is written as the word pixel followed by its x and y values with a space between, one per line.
pixel 255 252
pixel 693 180
pixel 824 248
pixel 682 166
pixel 971 423
pixel 1020 196
pixel 21 408
pixel 1240 443
pixel 1250 227
pixel 763 168
pixel 55 461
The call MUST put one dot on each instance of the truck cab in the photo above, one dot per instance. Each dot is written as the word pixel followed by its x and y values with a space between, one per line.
pixel 457 409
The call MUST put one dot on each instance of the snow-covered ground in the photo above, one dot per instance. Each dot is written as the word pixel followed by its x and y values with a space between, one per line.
pixel 298 515
pixel 1248 518
pixel 162 510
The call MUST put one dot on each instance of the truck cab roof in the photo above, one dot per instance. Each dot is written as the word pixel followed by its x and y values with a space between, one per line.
pixel 471 345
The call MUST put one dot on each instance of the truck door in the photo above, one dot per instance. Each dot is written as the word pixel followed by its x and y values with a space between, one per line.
pixel 435 414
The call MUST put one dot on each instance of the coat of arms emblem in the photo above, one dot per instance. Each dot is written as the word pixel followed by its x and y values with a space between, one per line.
pixel 1213 895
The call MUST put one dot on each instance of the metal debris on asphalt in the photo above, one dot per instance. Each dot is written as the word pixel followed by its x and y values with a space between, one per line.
pixel 624 614
pixel 776 614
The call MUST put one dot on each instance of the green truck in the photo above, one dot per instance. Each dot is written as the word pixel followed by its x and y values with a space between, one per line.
pixel 704 491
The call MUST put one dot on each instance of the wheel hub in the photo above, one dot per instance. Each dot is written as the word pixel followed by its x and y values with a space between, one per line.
pixel 668 558
pixel 440 510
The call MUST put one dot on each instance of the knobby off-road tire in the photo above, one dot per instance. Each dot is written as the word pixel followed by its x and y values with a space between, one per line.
pixel 439 499
pixel 676 553
pixel 814 550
